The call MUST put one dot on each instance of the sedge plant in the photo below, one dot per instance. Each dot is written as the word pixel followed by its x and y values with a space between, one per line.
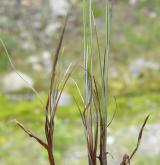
pixel 94 113
pixel 56 88
pixel 95 110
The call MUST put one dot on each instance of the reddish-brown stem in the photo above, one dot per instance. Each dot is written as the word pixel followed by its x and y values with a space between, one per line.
pixel 50 157
pixel 103 146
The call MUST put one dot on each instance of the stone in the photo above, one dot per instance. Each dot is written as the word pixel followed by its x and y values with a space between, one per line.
pixel 37 67
pixel 60 7
pixel 110 140
pixel 137 66
pixel 37 25
pixel 28 46
pixel 51 28
pixel 46 60
pixel 153 14
pixel 12 82
pixel 33 59
pixel 132 2
pixel 65 99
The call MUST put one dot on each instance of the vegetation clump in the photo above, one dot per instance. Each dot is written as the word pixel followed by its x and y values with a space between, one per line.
pixel 94 107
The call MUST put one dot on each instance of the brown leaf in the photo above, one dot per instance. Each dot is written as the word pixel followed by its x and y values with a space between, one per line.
pixel 32 135
pixel 127 159
pixel 139 137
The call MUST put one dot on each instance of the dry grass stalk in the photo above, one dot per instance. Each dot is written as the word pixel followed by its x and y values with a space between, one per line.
pixel 51 106
pixel 126 158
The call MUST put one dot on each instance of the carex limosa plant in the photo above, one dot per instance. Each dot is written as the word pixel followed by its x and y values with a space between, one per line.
pixel 95 111
pixel 95 94
pixel 94 115
pixel 50 108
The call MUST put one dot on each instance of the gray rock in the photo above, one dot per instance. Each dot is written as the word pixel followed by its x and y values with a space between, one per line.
pixel 132 2
pixel 51 28
pixel 152 14
pixel 33 59
pixel 60 7
pixel 37 25
pixel 137 66
pixel 37 67
pixel 110 140
pixel 12 82
pixel 46 59
pixel 65 99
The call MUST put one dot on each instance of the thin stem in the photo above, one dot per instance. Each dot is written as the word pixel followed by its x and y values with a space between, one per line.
pixel 50 157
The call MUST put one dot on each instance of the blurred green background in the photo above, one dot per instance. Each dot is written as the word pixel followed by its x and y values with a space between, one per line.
pixel 30 30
